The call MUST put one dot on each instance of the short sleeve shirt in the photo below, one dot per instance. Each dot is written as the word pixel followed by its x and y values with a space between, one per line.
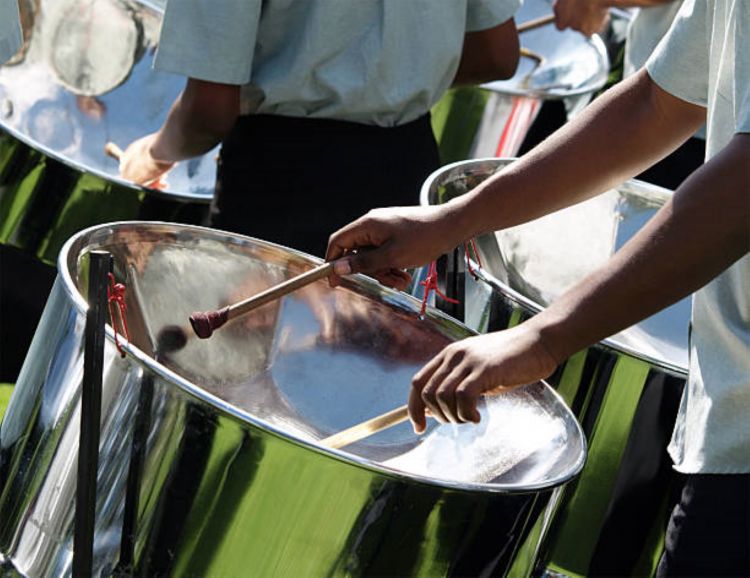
pixel 10 29
pixel 706 60
pixel 382 62
pixel 645 31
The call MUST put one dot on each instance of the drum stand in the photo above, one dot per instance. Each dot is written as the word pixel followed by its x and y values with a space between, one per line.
pixel 91 398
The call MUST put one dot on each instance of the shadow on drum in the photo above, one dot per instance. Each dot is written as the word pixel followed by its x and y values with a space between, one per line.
pixel 625 390
pixel 211 462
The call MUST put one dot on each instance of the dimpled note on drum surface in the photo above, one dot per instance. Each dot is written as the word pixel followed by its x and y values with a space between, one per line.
pixel 516 433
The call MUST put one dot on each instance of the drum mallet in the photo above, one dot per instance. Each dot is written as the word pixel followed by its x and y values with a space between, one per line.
pixel 535 23
pixel 366 428
pixel 112 150
pixel 204 323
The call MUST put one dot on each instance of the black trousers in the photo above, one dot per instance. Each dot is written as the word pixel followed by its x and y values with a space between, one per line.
pixel 295 181
pixel 677 166
pixel 709 531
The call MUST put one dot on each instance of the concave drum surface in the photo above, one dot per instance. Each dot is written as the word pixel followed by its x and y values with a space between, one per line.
pixel 493 119
pixel 211 462
pixel 625 390
pixel 82 78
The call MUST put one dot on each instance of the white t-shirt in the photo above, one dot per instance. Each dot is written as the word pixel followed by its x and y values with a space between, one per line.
pixel 10 29
pixel 381 62
pixel 706 60
pixel 645 31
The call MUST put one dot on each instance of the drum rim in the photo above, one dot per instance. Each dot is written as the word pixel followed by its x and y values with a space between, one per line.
pixel 654 192
pixel 242 416
pixel 600 49
pixel 24 139
pixel 171 194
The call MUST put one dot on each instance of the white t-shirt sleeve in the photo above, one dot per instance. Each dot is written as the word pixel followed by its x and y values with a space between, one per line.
pixel 680 63
pixel 742 68
pixel 212 41
pixel 484 14
pixel 10 29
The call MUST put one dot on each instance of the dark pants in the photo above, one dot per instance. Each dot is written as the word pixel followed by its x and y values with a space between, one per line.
pixel 676 167
pixel 295 181
pixel 709 531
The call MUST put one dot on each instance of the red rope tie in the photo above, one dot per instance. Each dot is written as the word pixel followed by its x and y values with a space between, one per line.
pixel 430 284
pixel 116 295
pixel 473 244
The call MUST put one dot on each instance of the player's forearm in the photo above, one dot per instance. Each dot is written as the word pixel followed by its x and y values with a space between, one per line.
pixel 488 55
pixel 698 234
pixel 199 119
pixel 624 131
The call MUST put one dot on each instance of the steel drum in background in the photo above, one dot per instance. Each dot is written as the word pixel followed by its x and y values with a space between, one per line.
pixel 82 78
pixel 493 119
pixel 624 390
pixel 210 461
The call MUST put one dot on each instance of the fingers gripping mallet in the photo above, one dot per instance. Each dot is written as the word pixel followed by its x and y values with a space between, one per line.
pixel 206 322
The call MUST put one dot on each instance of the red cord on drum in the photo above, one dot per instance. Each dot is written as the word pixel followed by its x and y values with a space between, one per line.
pixel 473 244
pixel 116 294
pixel 430 283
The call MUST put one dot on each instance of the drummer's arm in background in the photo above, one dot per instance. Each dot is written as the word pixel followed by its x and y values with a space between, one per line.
pixel 211 44
pixel 624 131
pixel 591 16
pixel 198 120
pixel 10 30
pixel 490 54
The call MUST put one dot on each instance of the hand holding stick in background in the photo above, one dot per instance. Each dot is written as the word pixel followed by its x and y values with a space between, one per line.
pixel 138 165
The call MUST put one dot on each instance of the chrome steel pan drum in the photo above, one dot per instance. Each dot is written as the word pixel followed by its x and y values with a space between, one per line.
pixel 492 120
pixel 232 479
pixel 82 78
pixel 625 390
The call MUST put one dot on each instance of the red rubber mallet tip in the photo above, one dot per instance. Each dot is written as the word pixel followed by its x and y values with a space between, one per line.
pixel 205 322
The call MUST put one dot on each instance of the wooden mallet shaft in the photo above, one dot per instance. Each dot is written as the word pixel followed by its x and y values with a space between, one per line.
pixel 204 323
pixel 112 150
pixel 366 428
pixel 535 23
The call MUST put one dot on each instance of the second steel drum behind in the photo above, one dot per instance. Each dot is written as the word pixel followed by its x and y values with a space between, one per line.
pixel 211 460
pixel 494 118
pixel 624 390
pixel 82 78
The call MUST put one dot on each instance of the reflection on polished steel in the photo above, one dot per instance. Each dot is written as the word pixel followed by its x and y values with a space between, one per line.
pixel 571 64
pixel 210 463
pixel 492 120
pixel 625 390
pixel 83 77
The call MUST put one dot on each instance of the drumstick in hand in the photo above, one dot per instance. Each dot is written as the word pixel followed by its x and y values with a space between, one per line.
pixel 535 23
pixel 112 150
pixel 204 323
pixel 366 428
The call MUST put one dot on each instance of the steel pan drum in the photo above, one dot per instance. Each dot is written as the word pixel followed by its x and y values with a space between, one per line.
pixel 625 390
pixel 210 457
pixel 82 78
pixel 492 120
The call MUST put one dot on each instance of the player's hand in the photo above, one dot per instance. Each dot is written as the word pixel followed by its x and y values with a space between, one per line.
pixel 450 385
pixel 585 16
pixel 138 165
pixel 385 241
